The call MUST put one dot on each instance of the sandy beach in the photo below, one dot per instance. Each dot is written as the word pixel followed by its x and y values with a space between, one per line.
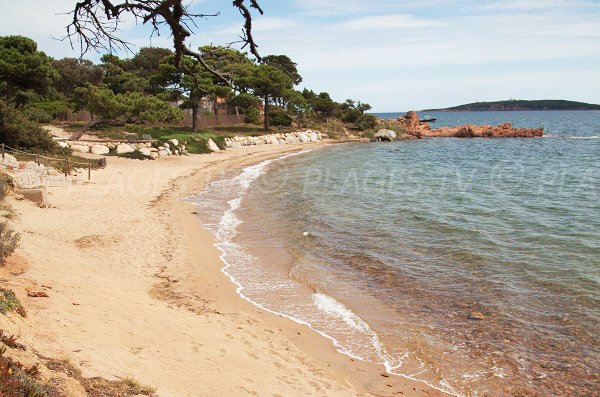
pixel 135 289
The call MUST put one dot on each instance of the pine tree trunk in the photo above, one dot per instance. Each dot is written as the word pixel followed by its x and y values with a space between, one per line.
pixel 266 112
pixel 195 111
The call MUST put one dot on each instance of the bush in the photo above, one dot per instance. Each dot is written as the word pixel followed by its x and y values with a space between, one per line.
pixel 8 301
pixel 45 111
pixel 16 380
pixel 244 102
pixel 6 185
pixel 9 241
pixel 367 122
pixel 280 119
pixel 352 116
pixel 135 155
pixel 18 131
pixel 252 116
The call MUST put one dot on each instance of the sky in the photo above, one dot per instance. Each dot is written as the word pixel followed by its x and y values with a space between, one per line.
pixel 396 55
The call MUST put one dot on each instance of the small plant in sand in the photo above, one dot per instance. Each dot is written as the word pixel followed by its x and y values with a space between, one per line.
pixel 9 241
pixel 17 380
pixel 10 341
pixel 9 302
pixel 100 387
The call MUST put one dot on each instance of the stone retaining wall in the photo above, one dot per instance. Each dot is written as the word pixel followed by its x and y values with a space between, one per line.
pixel 275 139
pixel 28 174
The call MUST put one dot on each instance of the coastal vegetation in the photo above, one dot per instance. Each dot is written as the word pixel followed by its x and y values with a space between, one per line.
pixel 148 94
pixel 519 105
pixel 9 240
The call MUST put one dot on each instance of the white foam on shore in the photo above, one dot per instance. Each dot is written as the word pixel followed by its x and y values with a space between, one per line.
pixel 232 253
pixel 583 137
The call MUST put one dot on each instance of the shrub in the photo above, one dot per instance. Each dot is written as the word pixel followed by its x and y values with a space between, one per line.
pixel 280 119
pixel 6 185
pixel 8 301
pixel 244 102
pixel 366 122
pixel 352 116
pixel 17 130
pixel 17 380
pixel 135 155
pixel 9 241
pixel 252 116
pixel 45 111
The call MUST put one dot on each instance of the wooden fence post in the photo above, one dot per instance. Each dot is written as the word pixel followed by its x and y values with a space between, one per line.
pixel 37 159
pixel 89 171
pixel 2 146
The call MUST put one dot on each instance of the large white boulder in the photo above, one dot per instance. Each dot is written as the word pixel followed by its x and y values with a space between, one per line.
pixel 290 139
pixel 163 153
pixel 125 148
pixel 385 135
pixel 100 149
pixel 80 148
pixel 213 146
pixel 313 136
pixel 175 142
pixel 303 138
pixel 8 158
pixel 145 151
pixel 235 145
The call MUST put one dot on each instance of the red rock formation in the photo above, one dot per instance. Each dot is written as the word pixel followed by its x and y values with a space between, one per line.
pixel 485 131
pixel 416 128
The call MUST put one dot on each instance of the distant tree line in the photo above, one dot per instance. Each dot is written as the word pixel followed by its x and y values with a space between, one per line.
pixel 153 86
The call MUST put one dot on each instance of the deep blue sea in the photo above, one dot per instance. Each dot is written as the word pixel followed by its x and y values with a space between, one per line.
pixel 472 265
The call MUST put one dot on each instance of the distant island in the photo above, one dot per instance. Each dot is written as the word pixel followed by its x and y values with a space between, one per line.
pixel 513 104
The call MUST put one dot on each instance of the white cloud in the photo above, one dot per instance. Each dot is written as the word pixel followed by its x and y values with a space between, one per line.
pixel 259 24
pixel 385 22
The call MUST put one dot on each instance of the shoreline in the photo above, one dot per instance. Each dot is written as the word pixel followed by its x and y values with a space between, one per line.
pixel 141 293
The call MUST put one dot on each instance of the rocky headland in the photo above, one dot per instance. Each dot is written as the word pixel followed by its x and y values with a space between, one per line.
pixel 414 128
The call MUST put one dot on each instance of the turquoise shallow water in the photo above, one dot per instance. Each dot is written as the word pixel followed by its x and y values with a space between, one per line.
pixel 394 250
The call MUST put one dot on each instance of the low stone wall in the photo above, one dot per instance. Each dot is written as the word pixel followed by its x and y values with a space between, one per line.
pixel 275 139
pixel 169 148
pixel 28 174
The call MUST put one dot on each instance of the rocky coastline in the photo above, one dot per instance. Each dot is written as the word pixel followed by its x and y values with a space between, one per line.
pixel 414 128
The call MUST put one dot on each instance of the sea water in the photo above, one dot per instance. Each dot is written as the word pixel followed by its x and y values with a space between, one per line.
pixel 472 265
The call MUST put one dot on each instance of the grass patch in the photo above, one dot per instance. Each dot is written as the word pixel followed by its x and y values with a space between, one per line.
pixel 100 387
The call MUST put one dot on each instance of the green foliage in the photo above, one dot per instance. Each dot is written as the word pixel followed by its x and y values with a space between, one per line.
pixel 45 111
pixel 243 102
pixel 367 122
pixel 280 118
pixel 284 63
pixel 9 241
pixel 8 301
pixel 16 380
pixel 18 131
pixel 24 69
pixel 75 73
pixel 132 106
pixel 135 155
pixel 270 81
pixel 515 105
pixel 351 116
pixel 252 116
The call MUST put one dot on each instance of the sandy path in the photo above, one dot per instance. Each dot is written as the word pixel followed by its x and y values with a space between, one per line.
pixel 135 289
